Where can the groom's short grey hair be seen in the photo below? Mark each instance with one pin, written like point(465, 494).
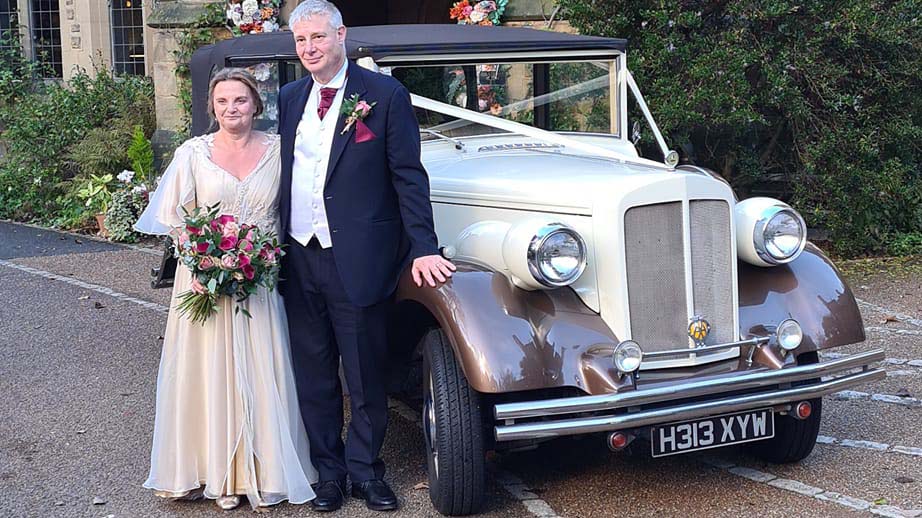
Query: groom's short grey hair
point(309, 8)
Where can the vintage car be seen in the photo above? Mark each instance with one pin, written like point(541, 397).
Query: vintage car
point(597, 291)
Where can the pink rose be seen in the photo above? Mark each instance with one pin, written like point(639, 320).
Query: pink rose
point(467, 11)
point(231, 229)
point(224, 219)
point(228, 243)
point(248, 271)
point(229, 262)
point(268, 254)
point(245, 245)
point(198, 287)
point(206, 263)
point(183, 238)
point(201, 248)
point(193, 230)
point(251, 236)
point(243, 259)
point(363, 107)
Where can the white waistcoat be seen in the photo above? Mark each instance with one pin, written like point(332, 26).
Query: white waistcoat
point(313, 141)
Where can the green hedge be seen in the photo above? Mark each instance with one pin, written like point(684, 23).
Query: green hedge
point(819, 100)
point(56, 134)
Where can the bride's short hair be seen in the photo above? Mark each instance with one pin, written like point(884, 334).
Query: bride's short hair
point(234, 74)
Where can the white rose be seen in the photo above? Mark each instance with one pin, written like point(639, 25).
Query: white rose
point(270, 26)
point(477, 16)
point(250, 7)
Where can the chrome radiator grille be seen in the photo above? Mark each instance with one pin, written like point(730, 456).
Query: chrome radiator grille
point(656, 272)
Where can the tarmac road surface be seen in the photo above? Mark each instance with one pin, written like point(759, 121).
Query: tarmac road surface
point(79, 349)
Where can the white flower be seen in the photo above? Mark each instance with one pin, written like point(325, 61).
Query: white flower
point(125, 176)
point(262, 71)
point(235, 17)
point(139, 189)
point(37, 180)
point(250, 7)
point(477, 16)
point(270, 27)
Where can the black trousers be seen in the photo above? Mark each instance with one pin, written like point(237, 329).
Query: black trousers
point(325, 326)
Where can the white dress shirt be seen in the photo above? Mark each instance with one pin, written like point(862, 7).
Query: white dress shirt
point(313, 141)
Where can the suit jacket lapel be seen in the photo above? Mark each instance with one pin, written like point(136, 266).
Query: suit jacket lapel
point(354, 86)
point(293, 111)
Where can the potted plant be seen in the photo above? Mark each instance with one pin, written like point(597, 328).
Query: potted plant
point(95, 192)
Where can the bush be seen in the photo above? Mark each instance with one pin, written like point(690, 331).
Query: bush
point(819, 102)
point(124, 210)
point(59, 134)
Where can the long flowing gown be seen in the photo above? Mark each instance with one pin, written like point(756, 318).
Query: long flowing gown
point(227, 414)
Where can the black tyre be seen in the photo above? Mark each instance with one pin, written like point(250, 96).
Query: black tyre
point(794, 438)
point(453, 431)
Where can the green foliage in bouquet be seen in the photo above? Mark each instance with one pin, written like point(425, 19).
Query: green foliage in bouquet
point(817, 103)
point(226, 258)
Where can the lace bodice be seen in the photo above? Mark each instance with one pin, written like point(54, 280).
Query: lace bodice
point(194, 180)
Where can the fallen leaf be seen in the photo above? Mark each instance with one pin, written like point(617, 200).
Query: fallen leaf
point(98, 305)
point(905, 480)
point(880, 501)
point(160, 337)
point(81, 431)
point(421, 486)
point(84, 297)
point(97, 500)
point(39, 326)
point(79, 242)
point(903, 392)
point(889, 318)
point(58, 504)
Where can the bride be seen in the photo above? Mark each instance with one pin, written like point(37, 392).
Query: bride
point(227, 421)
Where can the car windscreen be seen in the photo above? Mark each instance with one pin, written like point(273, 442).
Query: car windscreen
point(558, 96)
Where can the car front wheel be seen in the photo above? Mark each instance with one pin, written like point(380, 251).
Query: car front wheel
point(453, 431)
point(794, 438)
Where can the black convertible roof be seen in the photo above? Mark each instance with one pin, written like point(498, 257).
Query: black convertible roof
point(386, 42)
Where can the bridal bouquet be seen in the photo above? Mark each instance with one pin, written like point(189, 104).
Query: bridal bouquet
point(227, 258)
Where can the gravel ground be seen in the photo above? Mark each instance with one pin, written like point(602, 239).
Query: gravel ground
point(78, 368)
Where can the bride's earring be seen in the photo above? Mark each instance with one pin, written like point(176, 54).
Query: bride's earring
point(228, 502)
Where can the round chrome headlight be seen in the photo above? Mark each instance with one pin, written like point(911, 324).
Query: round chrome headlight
point(628, 356)
point(780, 235)
point(556, 255)
point(789, 334)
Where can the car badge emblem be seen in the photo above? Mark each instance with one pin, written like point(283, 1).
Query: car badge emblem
point(698, 330)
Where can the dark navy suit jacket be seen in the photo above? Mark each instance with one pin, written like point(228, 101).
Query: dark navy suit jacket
point(376, 193)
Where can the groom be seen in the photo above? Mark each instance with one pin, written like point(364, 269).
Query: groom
point(354, 207)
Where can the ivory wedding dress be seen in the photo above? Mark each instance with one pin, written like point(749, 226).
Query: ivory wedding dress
point(227, 417)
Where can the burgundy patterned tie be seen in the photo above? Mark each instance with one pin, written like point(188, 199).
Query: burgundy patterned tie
point(326, 100)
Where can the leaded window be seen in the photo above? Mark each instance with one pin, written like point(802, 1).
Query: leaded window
point(46, 37)
point(127, 37)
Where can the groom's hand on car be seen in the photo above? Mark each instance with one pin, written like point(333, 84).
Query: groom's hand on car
point(432, 268)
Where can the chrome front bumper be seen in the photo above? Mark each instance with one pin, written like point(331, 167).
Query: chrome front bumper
point(713, 396)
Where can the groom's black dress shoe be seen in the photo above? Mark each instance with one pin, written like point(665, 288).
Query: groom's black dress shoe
point(330, 495)
point(376, 494)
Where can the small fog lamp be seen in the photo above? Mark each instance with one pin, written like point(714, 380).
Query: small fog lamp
point(628, 356)
point(789, 334)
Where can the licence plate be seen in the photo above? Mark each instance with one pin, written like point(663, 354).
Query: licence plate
point(712, 432)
